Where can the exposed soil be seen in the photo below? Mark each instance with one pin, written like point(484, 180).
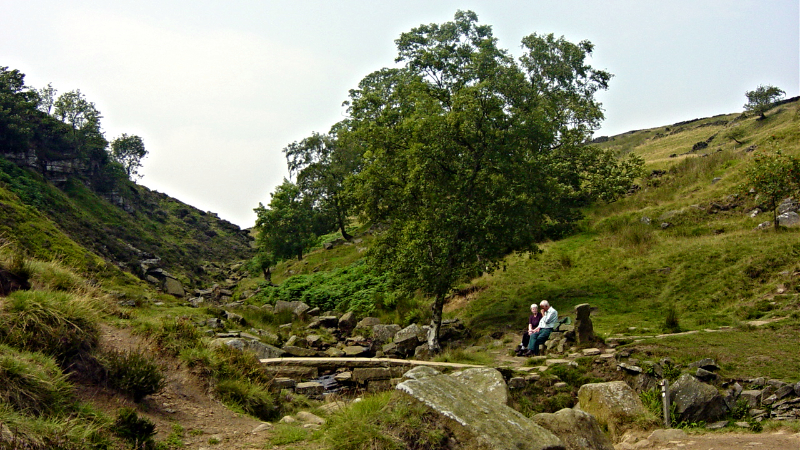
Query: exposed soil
point(185, 401)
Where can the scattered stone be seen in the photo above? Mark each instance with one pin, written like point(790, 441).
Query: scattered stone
point(591, 351)
point(307, 417)
point(584, 330)
point(706, 363)
point(384, 333)
point(355, 351)
point(265, 426)
point(717, 425)
point(705, 375)
point(334, 352)
point(287, 419)
point(347, 323)
point(742, 424)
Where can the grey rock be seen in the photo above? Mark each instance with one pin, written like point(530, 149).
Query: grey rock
point(797, 389)
point(310, 389)
point(488, 383)
point(328, 321)
point(384, 333)
point(422, 352)
point(614, 404)
point(298, 351)
point(752, 397)
point(717, 425)
point(696, 401)
point(355, 351)
point(705, 375)
point(334, 352)
point(284, 383)
point(173, 287)
point(671, 434)
point(576, 429)
point(368, 322)
point(492, 425)
point(407, 339)
point(784, 391)
point(347, 322)
point(363, 374)
point(788, 205)
point(313, 312)
point(635, 370)
point(307, 417)
point(706, 364)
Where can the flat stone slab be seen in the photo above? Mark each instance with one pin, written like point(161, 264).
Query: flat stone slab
point(492, 424)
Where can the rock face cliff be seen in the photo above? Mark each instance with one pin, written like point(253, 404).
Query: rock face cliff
point(111, 216)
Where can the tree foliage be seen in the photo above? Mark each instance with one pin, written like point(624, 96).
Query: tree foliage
point(129, 152)
point(774, 176)
point(286, 227)
point(762, 98)
point(322, 163)
point(470, 155)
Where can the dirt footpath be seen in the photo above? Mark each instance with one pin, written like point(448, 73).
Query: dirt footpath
point(778, 440)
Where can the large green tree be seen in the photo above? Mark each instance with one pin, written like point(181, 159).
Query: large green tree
point(470, 155)
point(129, 152)
point(762, 98)
point(774, 176)
point(285, 228)
point(322, 163)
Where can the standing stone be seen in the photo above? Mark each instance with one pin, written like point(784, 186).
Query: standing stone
point(584, 330)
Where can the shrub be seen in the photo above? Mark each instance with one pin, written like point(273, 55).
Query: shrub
point(52, 323)
point(671, 324)
point(251, 398)
point(138, 431)
point(173, 336)
point(132, 373)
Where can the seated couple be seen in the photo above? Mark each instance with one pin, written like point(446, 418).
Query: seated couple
point(540, 325)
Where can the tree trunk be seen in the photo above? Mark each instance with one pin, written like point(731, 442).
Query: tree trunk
point(346, 236)
point(267, 275)
point(436, 325)
point(775, 218)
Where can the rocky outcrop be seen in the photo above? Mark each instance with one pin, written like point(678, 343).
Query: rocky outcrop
point(584, 330)
point(492, 424)
point(578, 430)
point(614, 404)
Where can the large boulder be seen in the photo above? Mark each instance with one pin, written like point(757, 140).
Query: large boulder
point(347, 322)
point(492, 424)
point(578, 430)
point(614, 404)
point(173, 287)
point(488, 383)
point(407, 339)
point(696, 401)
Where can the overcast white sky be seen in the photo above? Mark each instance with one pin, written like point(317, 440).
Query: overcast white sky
point(217, 89)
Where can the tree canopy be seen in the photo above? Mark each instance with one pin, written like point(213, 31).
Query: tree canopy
point(762, 98)
point(470, 155)
point(129, 151)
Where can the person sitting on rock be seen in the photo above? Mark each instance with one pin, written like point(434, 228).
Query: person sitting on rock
point(541, 333)
point(533, 322)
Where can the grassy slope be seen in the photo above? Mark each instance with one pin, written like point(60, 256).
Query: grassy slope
point(710, 266)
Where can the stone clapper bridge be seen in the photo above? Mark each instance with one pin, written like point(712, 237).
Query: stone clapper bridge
point(375, 374)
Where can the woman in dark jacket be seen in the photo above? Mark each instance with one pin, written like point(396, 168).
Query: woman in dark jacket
point(533, 323)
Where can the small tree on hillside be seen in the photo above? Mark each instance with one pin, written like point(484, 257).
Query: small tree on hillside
point(129, 151)
point(762, 98)
point(774, 176)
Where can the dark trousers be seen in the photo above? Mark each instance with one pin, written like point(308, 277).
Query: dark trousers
point(537, 339)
